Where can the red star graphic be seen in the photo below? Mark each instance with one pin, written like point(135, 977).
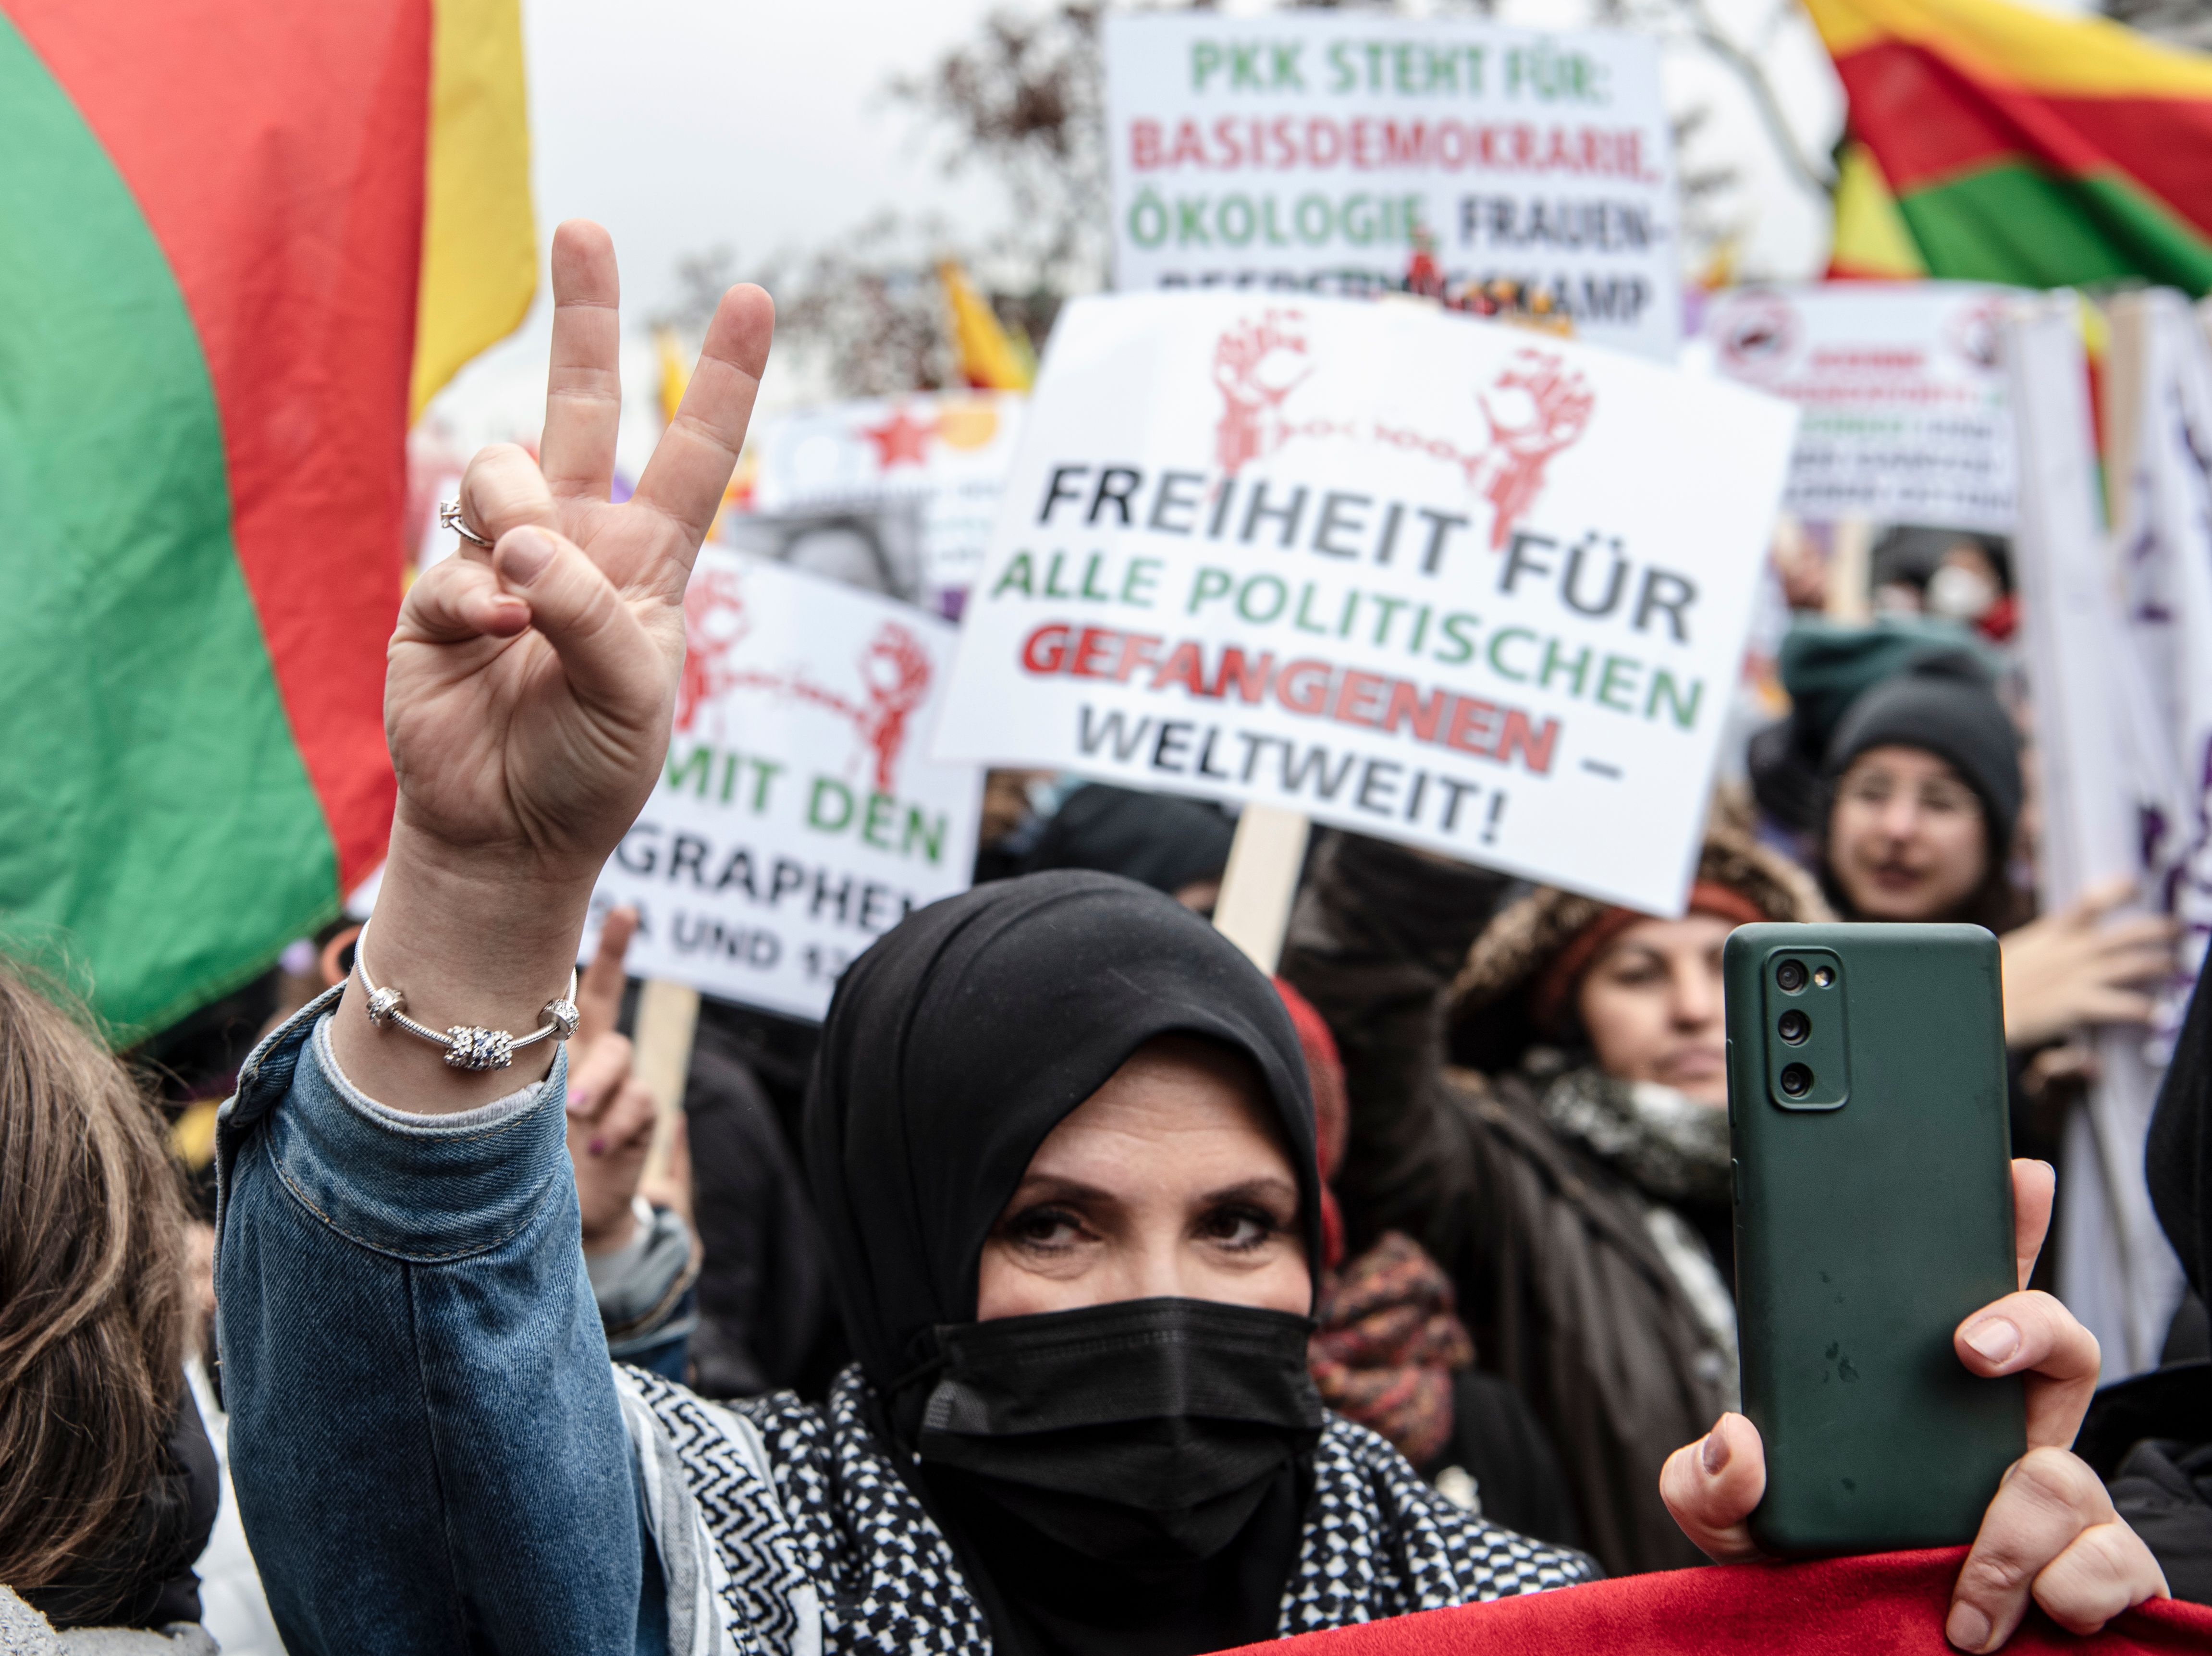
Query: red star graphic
point(899, 439)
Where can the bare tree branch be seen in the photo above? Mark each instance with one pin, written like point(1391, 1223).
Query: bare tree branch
point(1709, 34)
point(1026, 99)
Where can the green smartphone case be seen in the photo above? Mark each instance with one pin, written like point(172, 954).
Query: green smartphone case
point(1873, 1213)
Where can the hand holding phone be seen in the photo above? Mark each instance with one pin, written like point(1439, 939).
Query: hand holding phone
point(2050, 1535)
point(1869, 1126)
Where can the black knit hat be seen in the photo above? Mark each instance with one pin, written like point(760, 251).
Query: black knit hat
point(1167, 843)
point(1944, 703)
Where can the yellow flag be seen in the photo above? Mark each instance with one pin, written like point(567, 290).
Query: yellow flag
point(479, 234)
point(675, 373)
point(989, 359)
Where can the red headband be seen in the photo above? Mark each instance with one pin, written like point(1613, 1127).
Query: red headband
point(1547, 1002)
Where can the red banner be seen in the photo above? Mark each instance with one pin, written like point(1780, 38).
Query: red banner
point(1893, 1602)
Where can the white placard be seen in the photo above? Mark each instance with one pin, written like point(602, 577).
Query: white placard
point(800, 815)
point(1304, 149)
point(1438, 580)
point(2100, 728)
point(947, 450)
point(1908, 419)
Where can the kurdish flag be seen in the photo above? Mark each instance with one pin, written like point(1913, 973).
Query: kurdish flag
point(240, 242)
point(1991, 141)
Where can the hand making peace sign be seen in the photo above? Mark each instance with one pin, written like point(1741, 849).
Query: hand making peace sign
point(529, 690)
point(528, 698)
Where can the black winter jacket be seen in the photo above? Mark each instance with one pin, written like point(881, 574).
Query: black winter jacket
point(1558, 1280)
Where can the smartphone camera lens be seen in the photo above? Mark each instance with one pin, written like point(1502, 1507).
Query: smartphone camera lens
point(1796, 1080)
point(1793, 1026)
point(1791, 974)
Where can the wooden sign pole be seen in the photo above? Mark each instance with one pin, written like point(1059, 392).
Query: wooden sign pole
point(1261, 882)
point(2126, 363)
point(667, 1019)
point(1851, 576)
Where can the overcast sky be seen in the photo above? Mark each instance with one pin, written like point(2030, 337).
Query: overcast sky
point(680, 124)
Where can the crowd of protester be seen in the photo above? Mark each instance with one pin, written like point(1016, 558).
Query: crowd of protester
point(902, 1350)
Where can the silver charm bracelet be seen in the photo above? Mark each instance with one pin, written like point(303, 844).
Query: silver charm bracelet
point(468, 1046)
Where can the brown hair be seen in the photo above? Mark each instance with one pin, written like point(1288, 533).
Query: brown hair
point(93, 1306)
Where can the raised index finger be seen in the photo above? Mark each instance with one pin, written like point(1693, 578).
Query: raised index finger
point(583, 381)
point(599, 996)
point(691, 466)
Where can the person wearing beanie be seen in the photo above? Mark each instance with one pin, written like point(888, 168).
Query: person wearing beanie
point(1926, 783)
point(1539, 1099)
point(1926, 791)
point(1825, 667)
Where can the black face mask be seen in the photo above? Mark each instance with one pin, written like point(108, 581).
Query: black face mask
point(1146, 1430)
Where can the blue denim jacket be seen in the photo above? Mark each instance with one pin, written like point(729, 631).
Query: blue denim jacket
point(425, 1437)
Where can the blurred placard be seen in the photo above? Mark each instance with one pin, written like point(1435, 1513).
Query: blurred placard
point(1907, 417)
point(800, 815)
point(1306, 150)
point(1414, 575)
point(877, 546)
point(947, 453)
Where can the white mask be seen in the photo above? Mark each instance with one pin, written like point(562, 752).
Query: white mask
point(1962, 593)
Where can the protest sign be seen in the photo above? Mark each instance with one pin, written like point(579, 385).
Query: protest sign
point(948, 452)
point(2108, 791)
point(2161, 495)
point(1425, 577)
point(1908, 412)
point(800, 815)
point(1314, 149)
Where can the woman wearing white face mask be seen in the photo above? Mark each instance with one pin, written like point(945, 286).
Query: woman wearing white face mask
point(1962, 577)
point(1972, 584)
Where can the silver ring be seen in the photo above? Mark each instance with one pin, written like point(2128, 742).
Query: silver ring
point(449, 517)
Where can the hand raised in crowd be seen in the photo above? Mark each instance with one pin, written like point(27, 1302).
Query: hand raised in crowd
point(2050, 1533)
point(610, 1110)
point(528, 696)
point(2078, 966)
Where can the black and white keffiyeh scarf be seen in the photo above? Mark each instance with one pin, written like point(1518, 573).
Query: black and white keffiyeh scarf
point(792, 1520)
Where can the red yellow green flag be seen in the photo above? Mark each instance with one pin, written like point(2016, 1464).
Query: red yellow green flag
point(247, 237)
point(1991, 141)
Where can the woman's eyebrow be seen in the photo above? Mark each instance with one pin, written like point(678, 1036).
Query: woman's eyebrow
point(1053, 1187)
point(1266, 1187)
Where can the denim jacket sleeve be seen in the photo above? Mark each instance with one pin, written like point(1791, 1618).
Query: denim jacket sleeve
point(426, 1442)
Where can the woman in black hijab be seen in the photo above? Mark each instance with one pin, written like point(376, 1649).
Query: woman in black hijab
point(1060, 1139)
